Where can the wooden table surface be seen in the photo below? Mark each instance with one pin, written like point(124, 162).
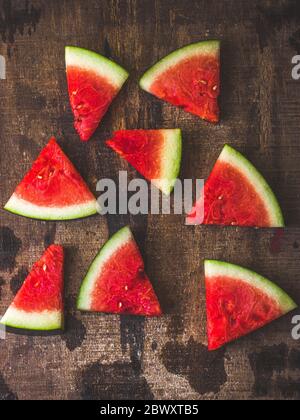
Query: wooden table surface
point(108, 357)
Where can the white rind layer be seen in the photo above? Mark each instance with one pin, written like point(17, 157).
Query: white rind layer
point(89, 60)
point(192, 50)
point(37, 321)
point(24, 208)
point(171, 161)
point(119, 240)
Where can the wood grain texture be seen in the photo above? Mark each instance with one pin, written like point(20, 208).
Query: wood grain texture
point(104, 356)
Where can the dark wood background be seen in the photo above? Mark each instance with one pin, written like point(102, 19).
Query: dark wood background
point(102, 357)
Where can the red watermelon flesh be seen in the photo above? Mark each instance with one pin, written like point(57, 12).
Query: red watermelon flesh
point(39, 302)
point(93, 83)
point(124, 287)
point(141, 148)
point(235, 309)
point(239, 302)
point(90, 97)
point(52, 189)
point(193, 85)
point(42, 290)
point(189, 78)
point(235, 194)
point(230, 200)
point(117, 283)
point(156, 154)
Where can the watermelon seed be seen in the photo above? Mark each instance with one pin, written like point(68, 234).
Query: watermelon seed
point(120, 305)
point(203, 82)
point(45, 267)
point(39, 177)
point(215, 88)
point(221, 197)
point(126, 288)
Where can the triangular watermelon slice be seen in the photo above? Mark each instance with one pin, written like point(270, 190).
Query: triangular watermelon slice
point(236, 194)
point(156, 154)
point(52, 189)
point(39, 303)
point(93, 82)
point(188, 78)
point(117, 283)
point(239, 302)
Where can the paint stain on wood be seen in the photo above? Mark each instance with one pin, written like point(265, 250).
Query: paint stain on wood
point(294, 41)
point(154, 346)
point(50, 234)
point(272, 19)
point(17, 280)
point(274, 369)
point(133, 338)
point(118, 381)
point(15, 21)
point(75, 331)
point(5, 393)
point(176, 327)
point(107, 49)
point(204, 370)
point(9, 248)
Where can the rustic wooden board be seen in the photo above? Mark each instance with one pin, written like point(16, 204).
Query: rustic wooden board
point(105, 356)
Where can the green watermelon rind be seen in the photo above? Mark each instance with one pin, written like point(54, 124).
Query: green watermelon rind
point(204, 48)
point(215, 268)
point(89, 60)
point(117, 241)
point(24, 208)
point(170, 161)
point(262, 188)
point(33, 321)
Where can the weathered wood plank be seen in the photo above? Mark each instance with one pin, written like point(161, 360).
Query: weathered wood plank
point(101, 356)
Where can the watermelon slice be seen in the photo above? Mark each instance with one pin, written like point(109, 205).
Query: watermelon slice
point(236, 194)
point(52, 189)
point(93, 82)
point(156, 154)
point(39, 303)
point(239, 302)
point(188, 78)
point(117, 283)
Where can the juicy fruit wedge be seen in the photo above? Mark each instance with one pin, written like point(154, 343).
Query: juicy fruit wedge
point(39, 303)
point(156, 154)
point(52, 189)
point(188, 78)
point(236, 194)
point(117, 283)
point(93, 82)
point(239, 302)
